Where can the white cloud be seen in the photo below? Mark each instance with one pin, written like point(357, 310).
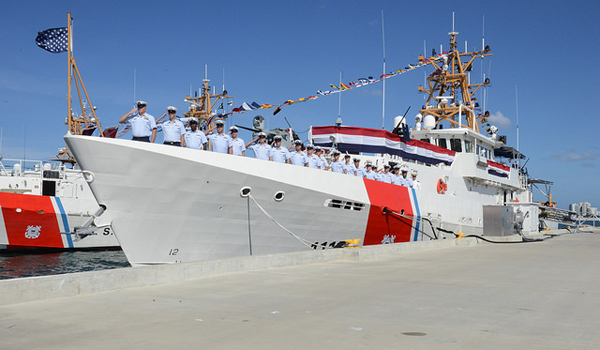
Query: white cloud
point(571, 155)
point(498, 119)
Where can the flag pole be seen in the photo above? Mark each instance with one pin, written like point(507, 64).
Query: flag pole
point(383, 92)
point(70, 77)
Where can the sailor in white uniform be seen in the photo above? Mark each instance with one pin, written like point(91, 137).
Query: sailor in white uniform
point(322, 161)
point(173, 129)
point(376, 174)
point(143, 125)
point(219, 141)
point(195, 138)
point(336, 164)
point(261, 149)
point(236, 145)
point(359, 170)
point(405, 180)
point(347, 166)
point(369, 173)
point(312, 160)
point(297, 157)
point(416, 184)
point(279, 153)
point(385, 175)
point(395, 175)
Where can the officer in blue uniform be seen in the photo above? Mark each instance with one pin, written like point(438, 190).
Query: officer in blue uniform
point(143, 125)
point(219, 141)
point(322, 161)
point(395, 175)
point(347, 166)
point(385, 175)
point(336, 164)
point(195, 138)
point(359, 170)
point(279, 153)
point(173, 129)
point(405, 180)
point(236, 144)
point(312, 160)
point(369, 173)
point(261, 149)
point(297, 157)
point(376, 173)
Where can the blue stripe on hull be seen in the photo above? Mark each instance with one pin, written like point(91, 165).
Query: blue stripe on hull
point(63, 214)
point(418, 214)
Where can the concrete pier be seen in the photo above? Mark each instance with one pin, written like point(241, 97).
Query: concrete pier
point(538, 295)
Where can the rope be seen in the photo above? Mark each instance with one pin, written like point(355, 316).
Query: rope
point(411, 218)
point(306, 242)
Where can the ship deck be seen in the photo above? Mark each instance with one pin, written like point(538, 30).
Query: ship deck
point(542, 295)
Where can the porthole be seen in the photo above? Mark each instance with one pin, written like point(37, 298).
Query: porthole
point(245, 191)
point(279, 196)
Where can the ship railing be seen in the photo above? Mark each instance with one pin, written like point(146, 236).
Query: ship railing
point(30, 168)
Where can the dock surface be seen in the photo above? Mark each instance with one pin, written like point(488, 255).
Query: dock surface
point(538, 295)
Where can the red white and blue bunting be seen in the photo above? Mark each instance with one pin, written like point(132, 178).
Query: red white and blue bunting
point(352, 139)
point(498, 169)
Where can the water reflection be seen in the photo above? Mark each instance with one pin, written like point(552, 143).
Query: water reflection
point(34, 263)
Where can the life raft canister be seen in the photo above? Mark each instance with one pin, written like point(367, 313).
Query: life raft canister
point(441, 186)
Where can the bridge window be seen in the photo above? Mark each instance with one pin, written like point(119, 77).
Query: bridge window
point(455, 145)
point(442, 143)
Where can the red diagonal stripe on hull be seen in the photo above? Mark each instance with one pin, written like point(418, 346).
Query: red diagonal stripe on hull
point(395, 198)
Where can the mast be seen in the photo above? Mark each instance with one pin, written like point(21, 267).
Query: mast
point(201, 106)
point(87, 121)
point(70, 77)
point(383, 73)
point(450, 94)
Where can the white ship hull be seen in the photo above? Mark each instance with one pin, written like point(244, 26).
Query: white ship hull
point(42, 208)
point(171, 204)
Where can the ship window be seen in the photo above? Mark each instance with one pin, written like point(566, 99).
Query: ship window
point(468, 146)
point(340, 204)
point(455, 145)
point(425, 140)
point(48, 188)
point(442, 143)
point(483, 152)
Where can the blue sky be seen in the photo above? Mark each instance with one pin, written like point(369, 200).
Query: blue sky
point(272, 51)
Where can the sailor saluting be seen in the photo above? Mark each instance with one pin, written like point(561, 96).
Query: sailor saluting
point(219, 141)
point(173, 129)
point(143, 125)
point(261, 149)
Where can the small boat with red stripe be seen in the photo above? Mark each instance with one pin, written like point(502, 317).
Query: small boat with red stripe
point(42, 206)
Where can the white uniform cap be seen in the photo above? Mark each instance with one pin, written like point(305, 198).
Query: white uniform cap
point(171, 108)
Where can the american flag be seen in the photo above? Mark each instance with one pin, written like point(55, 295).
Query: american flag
point(54, 40)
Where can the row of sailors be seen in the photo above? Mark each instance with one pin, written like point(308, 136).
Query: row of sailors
point(143, 128)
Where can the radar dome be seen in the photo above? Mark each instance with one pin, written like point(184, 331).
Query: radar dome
point(429, 122)
point(398, 121)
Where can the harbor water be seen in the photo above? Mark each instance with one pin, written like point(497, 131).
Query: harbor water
point(43, 263)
